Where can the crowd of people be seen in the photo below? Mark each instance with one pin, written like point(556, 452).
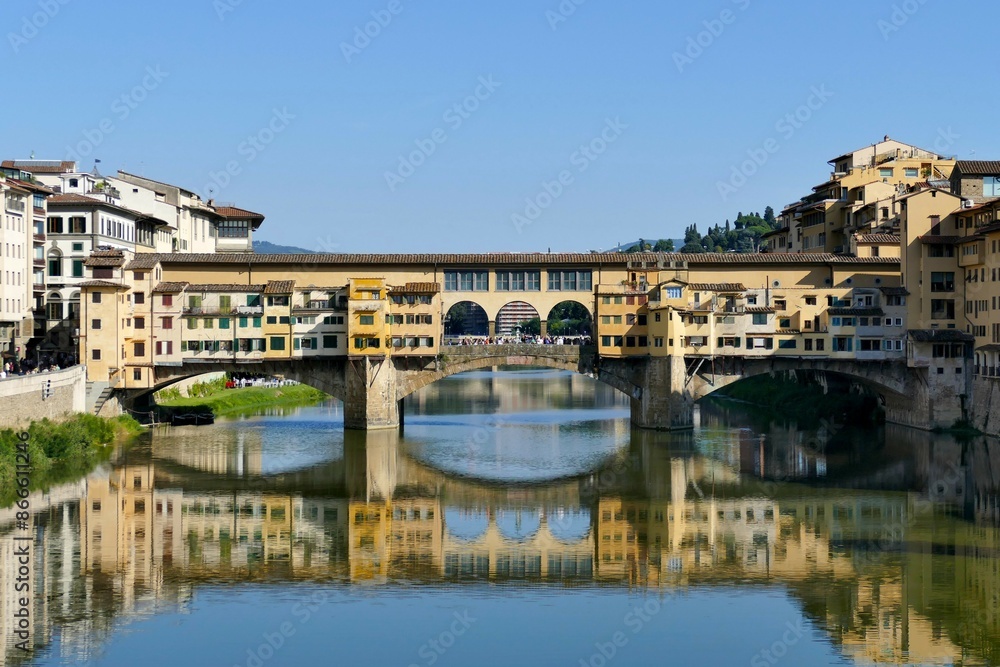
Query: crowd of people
point(243, 380)
point(43, 363)
point(518, 339)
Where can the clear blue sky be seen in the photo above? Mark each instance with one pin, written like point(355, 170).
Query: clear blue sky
point(225, 67)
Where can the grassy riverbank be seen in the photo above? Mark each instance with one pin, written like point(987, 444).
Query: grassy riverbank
point(215, 397)
point(60, 452)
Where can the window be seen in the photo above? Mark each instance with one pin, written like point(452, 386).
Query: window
point(367, 319)
point(658, 342)
point(140, 298)
point(942, 309)
point(329, 341)
point(569, 281)
point(94, 324)
point(518, 281)
point(78, 268)
point(168, 300)
point(991, 186)
point(140, 323)
point(759, 319)
point(942, 281)
point(789, 344)
point(674, 292)
point(780, 304)
point(272, 319)
point(139, 349)
point(808, 344)
point(277, 301)
point(256, 323)
point(885, 173)
point(95, 355)
point(209, 323)
point(785, 323)
point(55, 267)
point(277, 343)
point(55, 226)
point(95, 297)
point(911, 172)
point(605, 341)
point(192, 323)
point(223, 322)
point(466, 281)
point(810, 301)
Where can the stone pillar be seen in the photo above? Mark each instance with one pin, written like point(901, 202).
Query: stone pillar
point(665, 403)
point(545, 327)
point(370, 401)
point(492, 328)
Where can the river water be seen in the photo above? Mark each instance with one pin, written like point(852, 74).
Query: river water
point(518, 520)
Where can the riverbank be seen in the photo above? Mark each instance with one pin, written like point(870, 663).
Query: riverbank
point(214, 397)
point(60, 452)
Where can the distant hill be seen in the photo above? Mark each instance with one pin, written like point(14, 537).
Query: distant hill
point(628, 246)
point(268, 248)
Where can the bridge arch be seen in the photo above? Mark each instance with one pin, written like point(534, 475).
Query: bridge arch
point(466, 318)
point(517, 316)
point(888, 380)
point(462, 358)
point(570, 318)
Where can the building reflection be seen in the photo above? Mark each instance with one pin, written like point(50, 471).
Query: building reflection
point(890, 579)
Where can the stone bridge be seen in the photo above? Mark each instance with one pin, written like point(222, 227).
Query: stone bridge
point(662, 390)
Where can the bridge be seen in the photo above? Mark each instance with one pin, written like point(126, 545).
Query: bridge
point(662, 391)
point(664, 329)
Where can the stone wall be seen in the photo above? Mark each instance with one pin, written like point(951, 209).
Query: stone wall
point(23, 402)
point(186, 384)
point(986, 404)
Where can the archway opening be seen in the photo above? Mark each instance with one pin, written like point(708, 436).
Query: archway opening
point(466, 319)
point(518, 317)
point(570, 318)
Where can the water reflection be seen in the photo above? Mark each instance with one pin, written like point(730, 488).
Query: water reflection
point(859, 528)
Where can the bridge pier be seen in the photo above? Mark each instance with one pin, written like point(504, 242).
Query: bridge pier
point(665, 403)
point(371, 397)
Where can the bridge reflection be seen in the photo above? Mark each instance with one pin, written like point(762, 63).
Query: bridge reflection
point(867, 566)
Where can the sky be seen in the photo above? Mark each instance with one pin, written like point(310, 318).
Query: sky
point(520, 126)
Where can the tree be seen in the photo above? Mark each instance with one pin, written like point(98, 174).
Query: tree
point(769, 217)
point(664, 245)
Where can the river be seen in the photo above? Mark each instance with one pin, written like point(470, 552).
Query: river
point(517, 519)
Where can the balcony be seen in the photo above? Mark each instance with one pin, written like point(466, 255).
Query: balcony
point(247, 310)
point(366, 306)
point(210, 310)
point(324, 304)
point(38, 237)
point(38, 287)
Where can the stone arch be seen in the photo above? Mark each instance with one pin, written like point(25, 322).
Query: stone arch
point(558, 357)
point(887, 379)
point(580, 322)
point(514, 315)
point(466, 318)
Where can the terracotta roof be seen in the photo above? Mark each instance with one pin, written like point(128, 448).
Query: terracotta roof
point(280, 287)
point(856, 312)
point(940, 336)
point(170, 288)
point(41, 166)
point(789, 331)
point(718, 287)
point(417, 288)
point(879, 238)
point(233, 213)
point(927, 239)
point(989, 229)
point(114, 262)
point(148, 260)
point(894, 291)
point(222, 287)
point(36, 187)
point(102, 283)
point(978, 167)
point(760, 309)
